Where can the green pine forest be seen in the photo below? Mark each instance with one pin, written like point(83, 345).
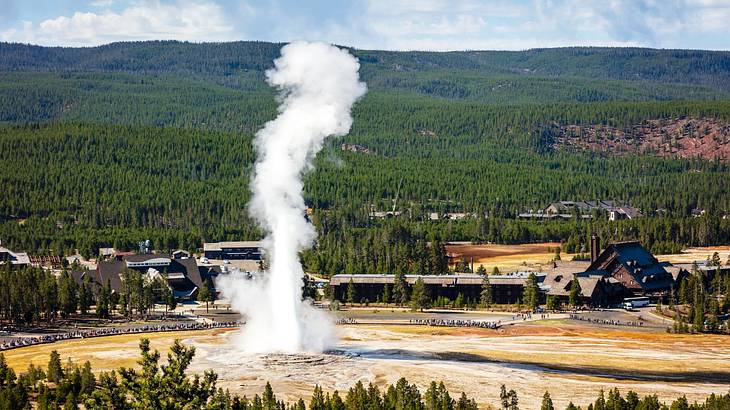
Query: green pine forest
point(106, 146)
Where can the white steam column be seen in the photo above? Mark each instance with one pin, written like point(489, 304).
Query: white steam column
point(318, 85)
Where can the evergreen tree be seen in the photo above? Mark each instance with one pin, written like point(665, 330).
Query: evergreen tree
point(85, 295)
point(55, 370)
point(351, 292)
point(205, 294)
point(103, 301)
point(87, 380)
point(438, 260)
point(575, 292)
point(419, 296)
point(400, 289)
point(327, 292)
point(547, 402)
point(317, 401)
point(386, 297)
point(67, 293)
point(485, 297)
point(531, 296)
point(170, 300)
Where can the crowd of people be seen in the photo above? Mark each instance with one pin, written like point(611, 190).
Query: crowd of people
point(16, 342)
point(457, 323)
point(522, 316)
point(612, 322)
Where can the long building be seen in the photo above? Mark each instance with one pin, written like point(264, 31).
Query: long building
point(246, 250)
point(506, 289)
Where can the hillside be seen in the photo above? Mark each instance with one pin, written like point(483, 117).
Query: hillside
point(705, 138)
point(695, 67)
point(108, 144)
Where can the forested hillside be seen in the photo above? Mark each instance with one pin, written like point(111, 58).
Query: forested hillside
point(113, 144)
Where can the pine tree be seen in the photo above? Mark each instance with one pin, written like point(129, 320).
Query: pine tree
point(88, 381)
point(575, 292)
point(351, 292)
point(400, 289)
point(205, 294)
point(85, 295)
point(67, 294)
point(55, 370)
point(170, 300)
point(317, 401)
point(547, 402)
point(386, 294)
point(532, 292)
point(419, 296)
point(485, 296)
point(104, 300)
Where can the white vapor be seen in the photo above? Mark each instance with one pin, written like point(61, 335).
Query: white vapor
point(318, 85)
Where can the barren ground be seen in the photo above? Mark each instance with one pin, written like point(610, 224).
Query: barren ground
point(707, 138)
point(570, 359)
point(507, 258)
point(537, 256)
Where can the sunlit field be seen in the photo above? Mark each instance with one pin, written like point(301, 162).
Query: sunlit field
point(531, 358)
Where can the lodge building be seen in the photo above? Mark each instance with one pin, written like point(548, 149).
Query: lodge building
point(183, 275)
point(623, 269)
point(241, 250)
point(506, 289)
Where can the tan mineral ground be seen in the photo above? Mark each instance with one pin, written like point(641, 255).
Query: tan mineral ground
point(529, 358)
point(571, 360)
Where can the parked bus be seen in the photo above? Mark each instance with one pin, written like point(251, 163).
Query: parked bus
point(633, 303)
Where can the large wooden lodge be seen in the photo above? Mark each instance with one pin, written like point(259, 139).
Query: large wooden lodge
point(622, 269)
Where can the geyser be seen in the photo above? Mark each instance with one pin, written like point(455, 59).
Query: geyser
point(318, 85)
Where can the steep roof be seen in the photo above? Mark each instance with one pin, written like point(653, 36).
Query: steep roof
point(110, 270)
point(79, 276)
point(559, 283)
point(647, 271)
point(183, 273)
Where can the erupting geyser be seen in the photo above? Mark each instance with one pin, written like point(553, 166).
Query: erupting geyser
point(318, 85)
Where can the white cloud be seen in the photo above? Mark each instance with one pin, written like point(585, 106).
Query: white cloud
point(101, 3)
point(482, 24)
point(394, 24)
point(183, 20)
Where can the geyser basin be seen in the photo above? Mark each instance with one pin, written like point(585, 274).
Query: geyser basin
point(477, 362)
point(318, 85)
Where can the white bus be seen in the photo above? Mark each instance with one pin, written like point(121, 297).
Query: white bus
point(632, 303)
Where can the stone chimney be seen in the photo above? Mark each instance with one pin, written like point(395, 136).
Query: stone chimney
point(595, 247)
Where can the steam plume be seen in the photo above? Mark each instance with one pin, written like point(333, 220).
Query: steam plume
point(318, 85)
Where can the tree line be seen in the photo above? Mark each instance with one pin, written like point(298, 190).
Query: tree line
point(701, 299)
point(33, 296)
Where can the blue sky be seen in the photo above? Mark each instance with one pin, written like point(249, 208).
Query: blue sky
point(376, 24)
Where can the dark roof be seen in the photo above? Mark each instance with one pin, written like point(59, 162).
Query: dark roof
point(559, 283)
point(190, 268)
point(110, 270)
point(209, 272)
point(184, 273)
point(648, 272)
point(633, 252)
point(79, 275)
